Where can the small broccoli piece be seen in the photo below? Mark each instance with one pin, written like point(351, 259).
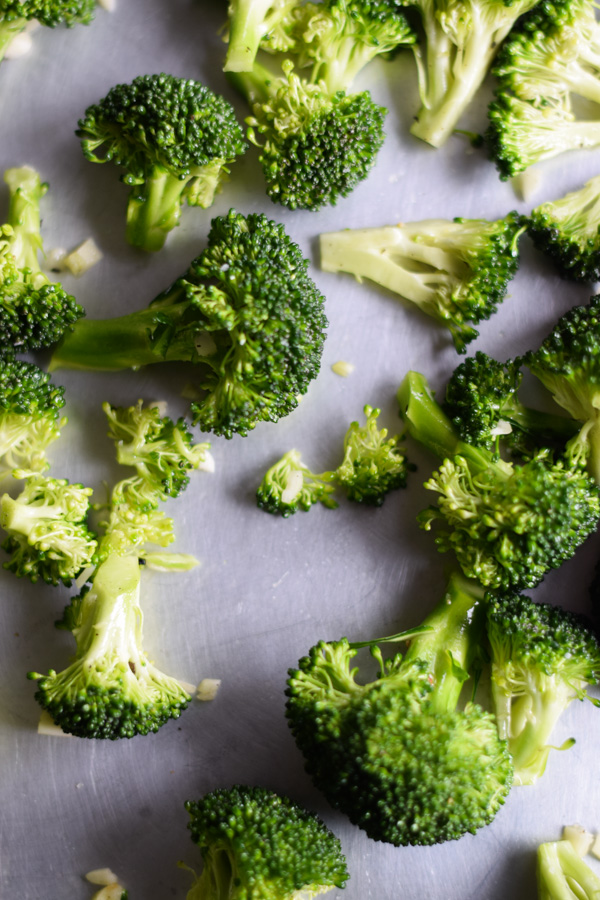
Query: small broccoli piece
point(15, 14)
point(48, 537)
point(563, 875)
point(457, 271)
point(507, 524)
point(268, 24)
point(289, 485)
point(258, 845)
point(396, 755)
point(246, 313)
point(315, 147)
point(568, 232)
point(34, 312)
point(29, 416)
point(543, 657)
point(483, 405)
point(173, 137)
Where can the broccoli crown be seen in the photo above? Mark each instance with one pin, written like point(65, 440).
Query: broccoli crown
point(49, 12)
point(26, 390)
point(258, 845)
point(561, 872)
point(48, 537)
point(456, 272)
point(250, 293)
point(289, 485)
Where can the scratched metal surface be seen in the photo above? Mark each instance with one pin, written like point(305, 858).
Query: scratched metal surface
point(267, 588)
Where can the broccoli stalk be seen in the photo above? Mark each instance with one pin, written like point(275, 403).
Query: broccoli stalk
point(15, 15)
point(251, 24)
point(457, 271)
point(563, 875)
point(395, 754)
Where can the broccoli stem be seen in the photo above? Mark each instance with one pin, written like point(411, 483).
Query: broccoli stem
point(563, 875)
point(154, 209)
point(8, 32)
point(246, 32)
point(586, 445)
point(26, 191)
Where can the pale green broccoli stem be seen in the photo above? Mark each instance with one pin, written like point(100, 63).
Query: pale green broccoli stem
point(154, 209)
point(563, 875)
point(8, 32)
point(247, 30)
point(26, 191)
point(217, 877)
point(587, 445)
point(23, 442)
point(201, 190)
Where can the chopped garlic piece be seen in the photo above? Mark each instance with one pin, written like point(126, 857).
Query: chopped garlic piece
point(101, 876)
point(161, 405)
point(207, 689)
point(108, 5)
point(47, 726)
point(110, 892)
point(595, 848)
point(83, 257)
point(54, 260)
point(293, 487)
point(20, 45)
point(502, 427)
point(581, 839)
point(205, 345)
point(208, 463)
point(188, 688)
point(342, 368)
point(526, 183)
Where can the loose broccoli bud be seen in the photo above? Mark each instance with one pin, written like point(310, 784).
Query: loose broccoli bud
point(563, 875)
point(395, 754)
point(29, 416)
point(315, 146)
point(15, 14)
point(456, 272)
point(542, 658)
point(567, 231)
point(507, 525)
point(48, 537)
point(173, 137)
point(249, 292)
point(256, 845)
point(254, 23)
point(289, 485)
point(34, 312)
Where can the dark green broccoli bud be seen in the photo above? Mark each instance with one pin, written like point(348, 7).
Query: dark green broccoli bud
point(568, 232)
point(268, 24)
point(258, 845)
point(34, 312)
point(15, 14)
point(173, 137)
point(29, 416)
point(396, 754)
point(246, 313)
point(483, 405)
point(48, 537)
point(563, 875)
point(457, 271)
point(289, 485)
point(507, 524)
point(543, 657)
point(314, 147)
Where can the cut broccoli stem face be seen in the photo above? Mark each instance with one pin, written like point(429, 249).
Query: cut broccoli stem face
point(563, 875)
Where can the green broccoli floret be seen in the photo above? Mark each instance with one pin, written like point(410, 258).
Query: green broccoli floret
point(268, 24)
point(543, 657)
point(173, 137)
point(258, 845)
point(507, 525)
point(34, 311)
point(289, 485)
point(457, 271)
point(563, 875)
point(30, 418)
point(551, 58)
point(246, 313)
point(48, 537)
point(396, 754)
point(483, 404)
point(15, 14)
point(315, 147)
point(568, 232)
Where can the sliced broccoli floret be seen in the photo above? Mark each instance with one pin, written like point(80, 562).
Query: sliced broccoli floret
point(258, 23)
point(289, 485)
point(543, 657)
point(174, 139)
point(48, 537)
point(258, 845)
point(15, 14)
point(396, 754)
point(315, 147)
point(457, 271)
point(246, 313)
point(563, 875)
point(507, 524)
point(34, 311)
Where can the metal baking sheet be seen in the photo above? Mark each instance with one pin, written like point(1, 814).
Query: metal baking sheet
point(267, 588)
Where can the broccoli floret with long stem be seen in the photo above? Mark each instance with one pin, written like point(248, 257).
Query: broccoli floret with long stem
point(259, 845)
point(315, 147)
point(543, 657)
point(396, 754)
point(507, 524)
point(34, 311)
point(48, 537)
point(246, 314)
point(258, 23)
point(15, 14)
point(563, 875)
point(457, 271)
point(174, 139)
point(567, 230)
point(289, 485)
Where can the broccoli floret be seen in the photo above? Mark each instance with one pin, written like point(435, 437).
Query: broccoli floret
point(258, 845)
point(563, 875)
point(543, 657)
point(396, 755)
point(173, 137)
point(551, 58)
point(457, 271)
point(30, 418)
point(568, 232)
point(246, 313)
point(48, 537)
point(34, 311)
point(15, 14)
point(258, 23)
point(289, 485)
point(315, 147)
point(507, 524)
